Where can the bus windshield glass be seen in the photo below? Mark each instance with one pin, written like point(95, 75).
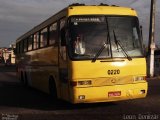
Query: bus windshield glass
point(89, 34)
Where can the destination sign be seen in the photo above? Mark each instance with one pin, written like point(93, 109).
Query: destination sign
point(87, 19)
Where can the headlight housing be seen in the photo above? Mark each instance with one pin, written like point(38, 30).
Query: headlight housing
point(81, 83)
point(85, 82)
point(139, 78)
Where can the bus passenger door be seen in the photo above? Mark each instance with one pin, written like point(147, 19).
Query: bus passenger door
point(63, 69)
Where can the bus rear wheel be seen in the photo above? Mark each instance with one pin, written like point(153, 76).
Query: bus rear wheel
point(52, 89)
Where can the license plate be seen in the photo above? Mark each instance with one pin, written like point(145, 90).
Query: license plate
point(114, 94)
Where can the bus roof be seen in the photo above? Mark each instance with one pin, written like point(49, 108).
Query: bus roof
point(101, 10)
point(80, 9)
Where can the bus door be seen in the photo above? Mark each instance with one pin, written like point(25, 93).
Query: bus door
point(63, 68)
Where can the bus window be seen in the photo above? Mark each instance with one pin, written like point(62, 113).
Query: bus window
point(62, 32)
point(25, 45)
point(44, 37)
point(52, 34)
point(36, 40)
point(62, 23)
point(21, 47)
point(62, 37)
point(30, 41)
point(79, 45)
point(85, 40)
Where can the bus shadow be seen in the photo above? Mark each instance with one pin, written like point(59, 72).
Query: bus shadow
point(13, 94)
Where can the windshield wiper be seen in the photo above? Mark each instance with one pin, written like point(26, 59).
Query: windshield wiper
point(105, 45)
point(100, 51)
point(117, 42)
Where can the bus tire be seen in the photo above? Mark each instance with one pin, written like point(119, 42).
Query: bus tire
point(52, 89)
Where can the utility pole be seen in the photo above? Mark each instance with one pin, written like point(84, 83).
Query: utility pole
point(151, 44)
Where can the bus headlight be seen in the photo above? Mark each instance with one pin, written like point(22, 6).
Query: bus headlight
point(139, 78)
point(81, 97)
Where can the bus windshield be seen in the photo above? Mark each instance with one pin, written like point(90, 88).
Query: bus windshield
point(88, 34)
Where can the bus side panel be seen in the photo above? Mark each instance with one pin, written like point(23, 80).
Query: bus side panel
point(43, 64)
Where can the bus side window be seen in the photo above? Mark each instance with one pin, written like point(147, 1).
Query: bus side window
point(25, 45)
point(30, 42)
point(21, 47)
point(53, 34)
point(62, 39)
point(36, 40)
point(62, 31)
point(44, 37)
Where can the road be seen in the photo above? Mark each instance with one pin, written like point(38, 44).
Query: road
point(21, 103)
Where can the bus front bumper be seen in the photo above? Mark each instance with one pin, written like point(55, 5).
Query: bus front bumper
point(108, 93)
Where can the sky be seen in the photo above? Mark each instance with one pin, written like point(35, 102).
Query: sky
point(19, 16)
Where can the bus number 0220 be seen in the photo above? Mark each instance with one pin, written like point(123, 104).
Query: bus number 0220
point(113, 72)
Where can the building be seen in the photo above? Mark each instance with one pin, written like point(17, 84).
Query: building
point(7, 56)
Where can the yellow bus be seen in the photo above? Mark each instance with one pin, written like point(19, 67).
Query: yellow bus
point(85, 54)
